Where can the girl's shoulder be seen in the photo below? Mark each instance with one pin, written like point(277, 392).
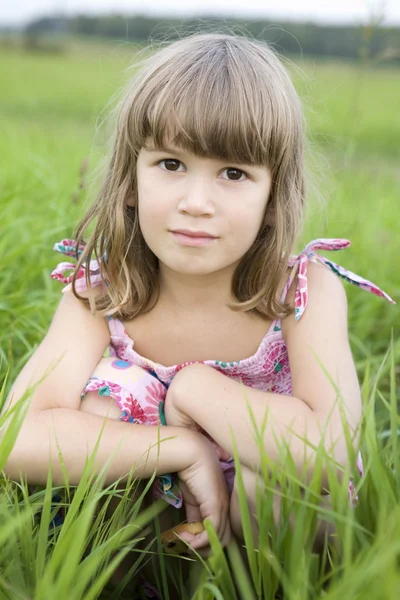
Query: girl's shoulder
point(317, 352)
point(297, 285)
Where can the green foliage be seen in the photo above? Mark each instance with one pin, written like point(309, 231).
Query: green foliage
point(47, 117)
point(42, 559)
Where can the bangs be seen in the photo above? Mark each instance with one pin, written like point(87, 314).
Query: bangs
point(212, 105)
point(208, 123)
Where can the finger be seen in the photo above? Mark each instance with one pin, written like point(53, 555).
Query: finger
point(193, 513)
point(220, 521)
point(200, 540)
point(222, 527)
point(222, 454)
point(187, 537)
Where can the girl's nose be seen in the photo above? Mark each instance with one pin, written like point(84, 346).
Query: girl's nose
point(197, 198)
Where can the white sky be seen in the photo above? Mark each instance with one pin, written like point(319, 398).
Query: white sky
point(18, 12)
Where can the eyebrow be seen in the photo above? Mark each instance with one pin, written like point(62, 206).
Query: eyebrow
point(163, 148)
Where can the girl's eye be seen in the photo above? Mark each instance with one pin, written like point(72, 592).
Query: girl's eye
point(170, 164)
point(235, 174)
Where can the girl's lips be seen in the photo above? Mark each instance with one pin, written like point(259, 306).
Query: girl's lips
point(189, 240)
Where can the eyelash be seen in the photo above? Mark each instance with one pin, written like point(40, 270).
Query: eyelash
point(226, 169)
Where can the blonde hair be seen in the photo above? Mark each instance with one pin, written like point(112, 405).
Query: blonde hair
point(217, 95)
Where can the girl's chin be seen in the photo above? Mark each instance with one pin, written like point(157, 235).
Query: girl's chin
point(193, 268)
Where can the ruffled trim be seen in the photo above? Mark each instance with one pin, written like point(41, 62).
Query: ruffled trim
point(64, 271)
point(299, 269)
point(246, 368)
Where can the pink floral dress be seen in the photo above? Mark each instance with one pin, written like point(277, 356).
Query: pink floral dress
point(139, 386)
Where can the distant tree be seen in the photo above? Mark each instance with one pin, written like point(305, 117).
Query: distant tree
point(287, 37)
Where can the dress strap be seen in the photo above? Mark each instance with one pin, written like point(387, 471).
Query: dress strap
point(64, 271)
point(309, 254)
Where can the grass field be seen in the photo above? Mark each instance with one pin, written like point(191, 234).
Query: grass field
point(49, 112)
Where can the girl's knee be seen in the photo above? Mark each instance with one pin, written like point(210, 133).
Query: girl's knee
point(119, 389)
point(103, 406)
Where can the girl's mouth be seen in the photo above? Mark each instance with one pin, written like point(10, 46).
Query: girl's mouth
point(192, 240)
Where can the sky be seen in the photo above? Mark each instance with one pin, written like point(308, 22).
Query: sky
point(19, 12)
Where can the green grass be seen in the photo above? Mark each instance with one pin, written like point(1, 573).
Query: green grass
point(49, 108)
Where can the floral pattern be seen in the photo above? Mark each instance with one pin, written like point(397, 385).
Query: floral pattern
point(156, 393)
point(141, 397)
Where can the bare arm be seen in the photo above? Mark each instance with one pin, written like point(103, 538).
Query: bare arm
point(72, 347)
point(218, 404)
point(76, 434)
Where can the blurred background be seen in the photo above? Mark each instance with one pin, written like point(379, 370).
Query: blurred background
point(347, 29)
point(62, 64)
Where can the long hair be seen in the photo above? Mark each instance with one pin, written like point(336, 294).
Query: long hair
point(221, 96)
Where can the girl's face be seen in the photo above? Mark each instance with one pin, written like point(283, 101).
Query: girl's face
point(179, 191)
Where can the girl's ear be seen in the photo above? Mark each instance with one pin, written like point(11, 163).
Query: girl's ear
point(131, 200)
point(269, 219)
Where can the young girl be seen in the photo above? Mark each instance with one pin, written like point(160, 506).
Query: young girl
point(188, 279)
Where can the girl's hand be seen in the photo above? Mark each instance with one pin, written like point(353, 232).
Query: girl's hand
point(206, 496)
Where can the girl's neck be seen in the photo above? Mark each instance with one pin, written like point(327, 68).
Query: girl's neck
point(189, 293)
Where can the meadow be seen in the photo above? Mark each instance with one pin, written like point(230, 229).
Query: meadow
point(52, 107)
